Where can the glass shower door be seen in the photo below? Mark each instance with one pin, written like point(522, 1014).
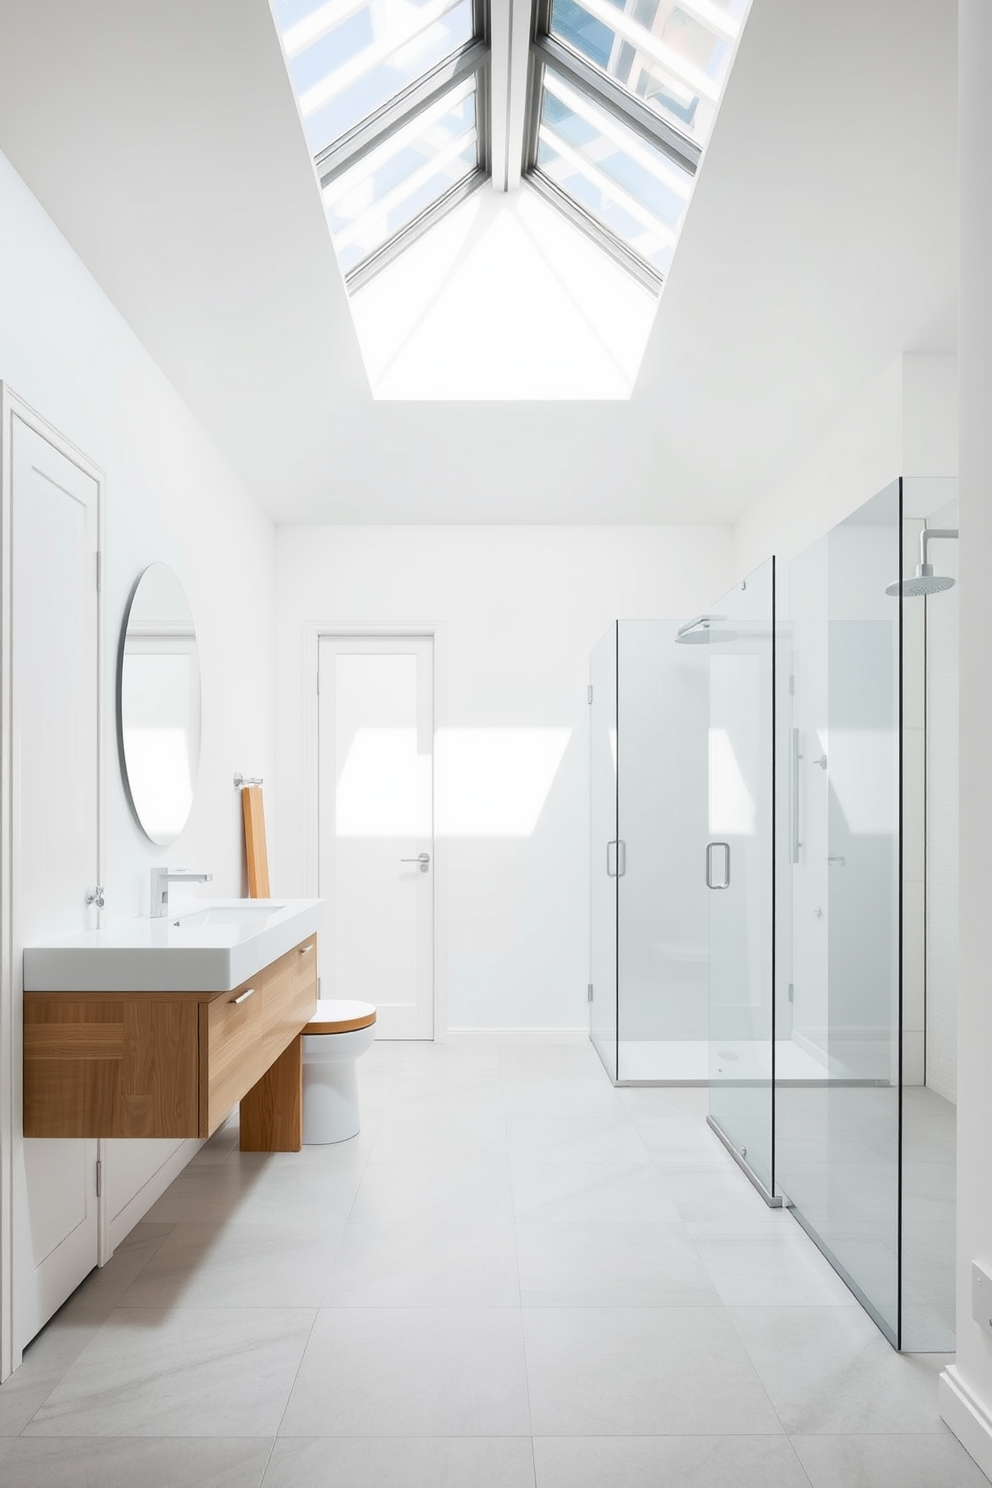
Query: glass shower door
point(739, 870)
point(605, 852)
point(838, 1074)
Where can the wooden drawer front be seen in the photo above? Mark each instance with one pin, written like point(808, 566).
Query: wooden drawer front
point(239, 1041)
point(110, 1069)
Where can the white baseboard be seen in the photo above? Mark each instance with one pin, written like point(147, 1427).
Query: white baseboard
point(522, 1036)
point(139, 1204)
point(967, 1417)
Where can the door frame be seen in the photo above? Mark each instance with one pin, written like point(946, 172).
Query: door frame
point(11, 1029)
point(313, 634)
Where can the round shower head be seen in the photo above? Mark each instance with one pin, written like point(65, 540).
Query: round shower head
point(698, 632)
point(925, 582)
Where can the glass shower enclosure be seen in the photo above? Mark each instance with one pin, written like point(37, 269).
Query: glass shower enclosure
point(649, 950)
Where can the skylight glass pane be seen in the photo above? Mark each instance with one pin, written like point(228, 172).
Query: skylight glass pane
point(630, 186)
point(387, 188)
point(347, 58)
point(673, 55)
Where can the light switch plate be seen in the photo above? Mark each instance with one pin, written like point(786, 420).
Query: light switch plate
point(981, 1295)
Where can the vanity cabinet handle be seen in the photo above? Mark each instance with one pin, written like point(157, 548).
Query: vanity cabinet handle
point(305, 950)
point(248, 992)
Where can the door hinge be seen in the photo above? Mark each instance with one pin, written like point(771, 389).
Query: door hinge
point(589, 693)
point(792, 686)
point(99, 570)
point(99, 1179)
point(318, 681)
point(588, 991)
point(792, 991)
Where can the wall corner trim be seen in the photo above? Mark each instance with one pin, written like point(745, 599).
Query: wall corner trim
point(966, 1416)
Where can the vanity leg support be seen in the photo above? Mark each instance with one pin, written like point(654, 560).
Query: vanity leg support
point(272, 1111)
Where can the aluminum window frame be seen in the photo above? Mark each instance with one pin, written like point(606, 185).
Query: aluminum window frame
point(368, 134)
point(547, 51)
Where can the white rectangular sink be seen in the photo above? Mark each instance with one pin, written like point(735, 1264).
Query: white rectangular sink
point(210, 947)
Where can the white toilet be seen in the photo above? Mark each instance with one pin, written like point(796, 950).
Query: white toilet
point(336, 1035)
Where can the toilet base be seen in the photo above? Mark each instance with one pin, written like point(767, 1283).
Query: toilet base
point(330, 1102)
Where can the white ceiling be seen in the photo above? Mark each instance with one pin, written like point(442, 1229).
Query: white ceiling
point(163, 140)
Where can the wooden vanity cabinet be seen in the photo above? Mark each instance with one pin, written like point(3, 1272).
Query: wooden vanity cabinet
point(172, 1064)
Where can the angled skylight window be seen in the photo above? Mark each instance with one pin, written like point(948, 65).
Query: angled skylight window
point(624, 95)
point(390, 93)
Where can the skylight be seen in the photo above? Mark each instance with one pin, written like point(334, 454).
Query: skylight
point(623, 99)
point(603, 107)
point(391, 95)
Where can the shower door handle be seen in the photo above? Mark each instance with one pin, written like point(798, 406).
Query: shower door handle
point(710, 846)
point(794, 757)
point(616, 858)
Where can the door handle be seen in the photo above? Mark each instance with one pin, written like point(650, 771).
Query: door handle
point(709, 865)
point(424, 859)
point(616, 858)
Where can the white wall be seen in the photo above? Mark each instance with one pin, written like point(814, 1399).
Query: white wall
point(521, 608)
point(169, 495)
point(966, 1393)
point(903, 423)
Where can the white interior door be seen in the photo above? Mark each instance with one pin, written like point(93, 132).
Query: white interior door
point(376, 833)
point(55, 827)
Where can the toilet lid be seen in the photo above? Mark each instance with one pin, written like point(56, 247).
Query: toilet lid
point(340, 1015)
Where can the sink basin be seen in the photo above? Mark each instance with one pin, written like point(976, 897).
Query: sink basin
point(210, 948)
point(244, 916)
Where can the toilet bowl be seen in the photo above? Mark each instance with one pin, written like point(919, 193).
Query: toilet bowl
point(336, 1035)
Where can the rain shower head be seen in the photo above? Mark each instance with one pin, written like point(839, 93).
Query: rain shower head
point(925, 580)
point(698, 632)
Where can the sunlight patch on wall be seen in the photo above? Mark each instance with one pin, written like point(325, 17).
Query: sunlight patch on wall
point(503, 299)
point(490, 782)
point(731, 805)
point(863, 770)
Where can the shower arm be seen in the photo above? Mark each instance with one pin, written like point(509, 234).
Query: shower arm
point(925, 537)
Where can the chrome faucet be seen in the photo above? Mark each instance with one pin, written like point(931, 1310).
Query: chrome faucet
point(161, 879)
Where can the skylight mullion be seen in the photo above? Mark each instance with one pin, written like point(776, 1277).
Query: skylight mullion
point(608, 186)
point(364, 62)
point(642, 40)
point(618, 100)
point(651, 160)
point(409, 187)
point(375, 130)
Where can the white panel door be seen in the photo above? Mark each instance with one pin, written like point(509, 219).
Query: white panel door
point(376, 842)
point(55, 825)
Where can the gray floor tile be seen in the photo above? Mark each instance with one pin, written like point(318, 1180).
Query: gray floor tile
point(776, 1270)
point(237, 1265)
point(411, 1372)
point(828, 1369)
point(224, 1372)
point(666, 1371)
point(558, 1192)
point(425, 1265)
point(610, 1265)
point(401, 1462)
point(476, 1192)
point(85, 1462)
point(681, 1461)
point(888, 1462)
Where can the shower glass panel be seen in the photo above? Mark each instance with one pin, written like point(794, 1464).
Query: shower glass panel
point(737, 866)
point(930, 911)
point(662, 910)
point(838, 1093)
point(603, 849)
point(649, 717)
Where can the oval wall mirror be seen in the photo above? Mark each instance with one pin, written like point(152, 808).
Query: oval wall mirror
point(158, 704)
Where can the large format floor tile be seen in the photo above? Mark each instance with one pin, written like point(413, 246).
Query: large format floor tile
point(241, 1264)
point(126, 1462)
point(411, 1372)
point(888, 1462)
point(610, 1265)
point(624, 1372)
point(222, 1372)
point(828, 1369)
point(425, 1265)
point(401, 1462)
point(652, 1461)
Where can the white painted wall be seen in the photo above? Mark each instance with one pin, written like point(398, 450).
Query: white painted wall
point(521, 609)
point(966, 1388)
point(170, 496)
point(903, 423)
